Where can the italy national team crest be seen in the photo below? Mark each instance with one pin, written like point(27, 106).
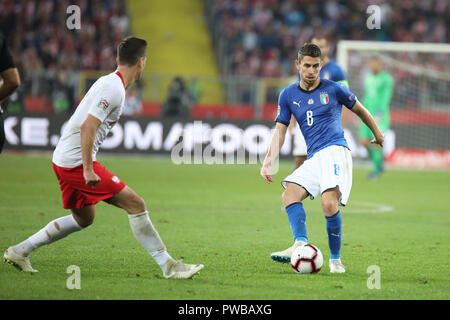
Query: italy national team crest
point(324, 97)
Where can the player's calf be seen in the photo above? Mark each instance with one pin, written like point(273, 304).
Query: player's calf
point(330, 206)
point(148, 237)
point(55, 230)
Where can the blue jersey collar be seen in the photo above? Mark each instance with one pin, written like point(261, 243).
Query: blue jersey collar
point(311, 91)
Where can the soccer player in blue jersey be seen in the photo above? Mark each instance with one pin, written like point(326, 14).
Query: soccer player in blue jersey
point(331, 71)
point(316, 105)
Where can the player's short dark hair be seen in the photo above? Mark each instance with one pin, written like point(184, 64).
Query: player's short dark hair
point(309, 50)
point(130, 50)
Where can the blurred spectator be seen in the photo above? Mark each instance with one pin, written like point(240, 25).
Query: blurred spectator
point(262, 36)
point(46, 51)
point(133, 102)
point(179, 100)
point(62, 93)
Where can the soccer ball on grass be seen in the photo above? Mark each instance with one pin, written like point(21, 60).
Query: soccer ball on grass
point(306, 259)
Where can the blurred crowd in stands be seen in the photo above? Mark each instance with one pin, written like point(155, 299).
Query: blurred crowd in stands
point(263, 36)
point(46, 52)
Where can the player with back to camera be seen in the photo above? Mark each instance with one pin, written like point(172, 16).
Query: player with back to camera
point(85, 182)
point(317, 105)
point(331, 71)
point(9, 81)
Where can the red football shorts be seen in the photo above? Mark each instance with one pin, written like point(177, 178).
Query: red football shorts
point(75, 192)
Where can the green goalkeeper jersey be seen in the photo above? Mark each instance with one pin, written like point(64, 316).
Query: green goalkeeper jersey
point(378, 92)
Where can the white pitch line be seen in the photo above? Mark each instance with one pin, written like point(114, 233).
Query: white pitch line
point(368, 207)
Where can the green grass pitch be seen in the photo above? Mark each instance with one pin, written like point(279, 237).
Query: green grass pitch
point(229, 219)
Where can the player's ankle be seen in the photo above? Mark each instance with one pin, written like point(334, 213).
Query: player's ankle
point(300, 242)
point(24, 248)
point(162, 258)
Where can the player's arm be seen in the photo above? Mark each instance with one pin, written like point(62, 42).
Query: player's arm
point(97, 114)
point(9, 82)
point(340, 78)
point(291, 126)
point(274, 150)
point(9, 75)
point(283, 120)
point(87, 132)
point(369, 121)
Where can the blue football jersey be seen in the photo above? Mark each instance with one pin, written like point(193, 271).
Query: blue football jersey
point(318, 112)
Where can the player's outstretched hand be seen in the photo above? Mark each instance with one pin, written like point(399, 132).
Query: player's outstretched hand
point(378, 140)
point(265, 174)
point(91, 178)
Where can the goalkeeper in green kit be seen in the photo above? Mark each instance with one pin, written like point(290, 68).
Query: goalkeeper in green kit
point(378, 87)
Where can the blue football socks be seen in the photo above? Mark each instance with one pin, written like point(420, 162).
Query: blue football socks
point(297, 220)
point(334, 229)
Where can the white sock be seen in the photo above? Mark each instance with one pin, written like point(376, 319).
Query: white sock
point(53, 231)
point(300, 243)
point(161, 258)
point(24, 248)
point(148, 237)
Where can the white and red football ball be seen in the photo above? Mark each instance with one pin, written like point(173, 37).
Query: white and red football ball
point(306, 259)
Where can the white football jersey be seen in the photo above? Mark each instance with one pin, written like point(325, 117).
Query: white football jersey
point(104, 101)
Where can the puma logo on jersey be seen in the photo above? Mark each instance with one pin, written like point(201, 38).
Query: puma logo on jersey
point(297, 103)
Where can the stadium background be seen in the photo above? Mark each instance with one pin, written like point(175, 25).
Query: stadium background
point(218, 61)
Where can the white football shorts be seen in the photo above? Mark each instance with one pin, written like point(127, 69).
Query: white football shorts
point(299, 142)
point(327, 169)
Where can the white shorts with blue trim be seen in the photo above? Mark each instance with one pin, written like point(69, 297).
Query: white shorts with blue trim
point(328, 168)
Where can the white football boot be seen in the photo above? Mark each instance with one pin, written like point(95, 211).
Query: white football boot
point(285, 256)
point(179, 270)
point(20, 262)
point(336, 266)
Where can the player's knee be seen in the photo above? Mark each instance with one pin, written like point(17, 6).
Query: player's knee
point(84, 221)
point(136, 205)
point(330, 207)
point(87, 222)
point(140, 204)
point(288, 197)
